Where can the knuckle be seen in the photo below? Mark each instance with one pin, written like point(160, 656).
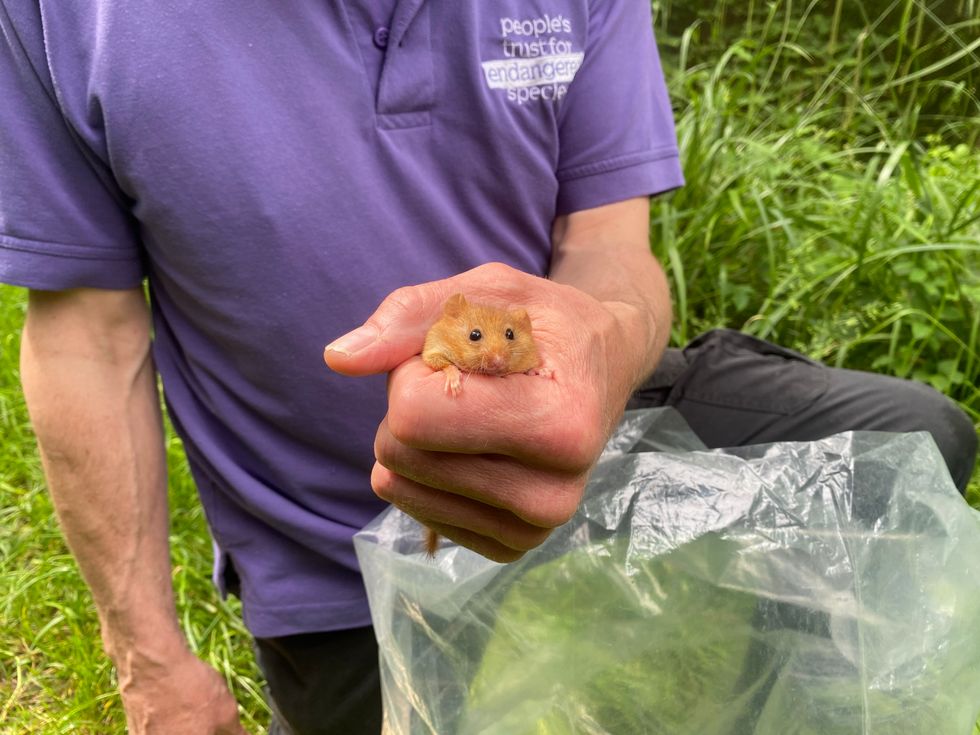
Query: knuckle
point(381, 444)
point(383, 482)
point(505, 556)
point(575, 444)
point(407, 304)
point(407, 409)
point(531, 539)
point(405, 300)
point(495, 271)
point(402, 422)
point(555, 506)
point(564, 508)
point(389, 451)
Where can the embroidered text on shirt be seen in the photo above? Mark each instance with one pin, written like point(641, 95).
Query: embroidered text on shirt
point(539, 60)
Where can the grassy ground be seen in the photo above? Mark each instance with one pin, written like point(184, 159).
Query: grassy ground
point(833, 177)
point(53, 675)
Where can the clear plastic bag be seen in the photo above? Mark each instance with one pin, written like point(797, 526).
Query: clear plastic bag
point(820, 588)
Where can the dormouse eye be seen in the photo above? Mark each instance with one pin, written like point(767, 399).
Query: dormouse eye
point(509, 334)
point(475, 335)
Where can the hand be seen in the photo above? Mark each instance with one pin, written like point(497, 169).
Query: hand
point(180, 694)
point(500, 466)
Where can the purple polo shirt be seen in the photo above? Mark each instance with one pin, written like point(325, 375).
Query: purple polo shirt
point(274, 170)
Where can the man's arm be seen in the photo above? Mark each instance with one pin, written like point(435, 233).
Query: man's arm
point(90, 387)
point(499, 467)
point(605, 252)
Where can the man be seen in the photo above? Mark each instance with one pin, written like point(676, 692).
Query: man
point(279, 175)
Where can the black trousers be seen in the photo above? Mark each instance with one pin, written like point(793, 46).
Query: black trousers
point(733, 390)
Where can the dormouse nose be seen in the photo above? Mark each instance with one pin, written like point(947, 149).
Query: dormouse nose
point(496, 362)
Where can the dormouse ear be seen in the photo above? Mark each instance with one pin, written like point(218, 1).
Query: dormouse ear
point(521, 318)
point(455, 305)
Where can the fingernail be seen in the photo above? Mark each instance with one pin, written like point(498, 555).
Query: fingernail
point(353, 341)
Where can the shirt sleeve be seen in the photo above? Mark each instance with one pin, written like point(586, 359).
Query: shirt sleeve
point(616, 127)
point(63, 221)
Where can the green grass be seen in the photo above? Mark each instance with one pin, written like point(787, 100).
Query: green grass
point(833, 180)
point(833, 183)
point(53, 675)
point(697, 670)
point(629, 681)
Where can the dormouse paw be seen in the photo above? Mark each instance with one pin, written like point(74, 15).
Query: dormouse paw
point(543, 372)
point(453, 383)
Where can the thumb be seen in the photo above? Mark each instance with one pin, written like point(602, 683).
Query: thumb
point(392, 334)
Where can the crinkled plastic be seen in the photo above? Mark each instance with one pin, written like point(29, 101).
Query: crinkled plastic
point(820, 588)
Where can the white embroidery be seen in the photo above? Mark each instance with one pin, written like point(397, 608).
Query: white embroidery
point(518, 73)
point(539, 59)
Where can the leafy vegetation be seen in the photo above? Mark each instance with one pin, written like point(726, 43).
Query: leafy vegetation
point(832, 204)
point(833, 186)
point(832, 201)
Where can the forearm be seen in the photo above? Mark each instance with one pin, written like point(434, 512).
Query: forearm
point(91, 392)
point(606, 253)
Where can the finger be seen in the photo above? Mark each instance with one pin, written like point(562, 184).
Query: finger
point(488, 547)
point(234, 726)
point(396, 330)
point(531, 418)
point(391, 335)
point(542, 498)
point(231, 723)
point(452, 515)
